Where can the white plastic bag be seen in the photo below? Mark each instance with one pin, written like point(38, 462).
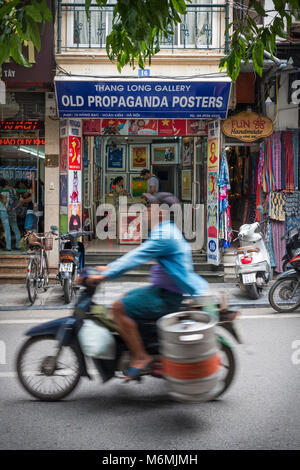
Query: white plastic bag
point(96, 341)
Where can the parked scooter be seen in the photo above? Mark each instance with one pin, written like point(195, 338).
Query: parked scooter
point(284, 295)
point(71, 261)
point(292, 247)
point(51, 361)
point(252, 264)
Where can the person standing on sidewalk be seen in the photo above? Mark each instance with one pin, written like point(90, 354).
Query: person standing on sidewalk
point(8, 214)
point(153, 181)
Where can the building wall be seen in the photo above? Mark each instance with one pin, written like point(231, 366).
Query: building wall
point(52, 182)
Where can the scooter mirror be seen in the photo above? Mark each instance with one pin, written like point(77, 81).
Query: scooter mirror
point(53, 228)
point(87, 223)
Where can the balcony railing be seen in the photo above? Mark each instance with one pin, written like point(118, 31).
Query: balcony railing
point(202, 28)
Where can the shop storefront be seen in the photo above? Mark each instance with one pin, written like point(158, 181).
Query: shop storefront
point(261, 168)
point(24, 110)
point(22, 156)
point(121, 128)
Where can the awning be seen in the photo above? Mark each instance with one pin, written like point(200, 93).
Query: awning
point(132, 99)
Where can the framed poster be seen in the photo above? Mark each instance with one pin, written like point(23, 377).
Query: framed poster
point(187, 152)
point(129, 229)
point(186, 185)
point(139, 157)
point(74, 153)
point(164, 153)
point(116, 158)
point(75, 186)
point(75, 217)
point(116, 183)
point(138, 186)
point(63, 148)
point(63, 190)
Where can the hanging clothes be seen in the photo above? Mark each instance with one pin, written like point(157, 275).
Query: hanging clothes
point(278, 231)
point(292, 204)
point(276, 142)
point(289, 161)
point(225, 227)
point(276, 206)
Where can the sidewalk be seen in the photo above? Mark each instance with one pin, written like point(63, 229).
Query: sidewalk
point(14, 296)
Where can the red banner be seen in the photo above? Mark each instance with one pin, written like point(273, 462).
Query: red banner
point(74, 153)
point(163, 127)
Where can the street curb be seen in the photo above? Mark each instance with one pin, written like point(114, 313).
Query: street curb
point(11, 308)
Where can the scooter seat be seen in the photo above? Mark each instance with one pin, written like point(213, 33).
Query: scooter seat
point(249, 249)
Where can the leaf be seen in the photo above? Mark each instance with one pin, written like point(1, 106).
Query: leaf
point(87, 8)
point(34, 13)
point(34, 33)
point(258, 51)
point(180, 6)
point(46, 11)
point(4, 51)
point(16, 52)
point(258, 7)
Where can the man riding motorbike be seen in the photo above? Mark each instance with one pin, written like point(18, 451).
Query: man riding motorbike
point(170, 278)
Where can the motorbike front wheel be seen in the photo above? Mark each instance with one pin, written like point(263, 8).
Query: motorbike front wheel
point(284, 295)
point(41, 374)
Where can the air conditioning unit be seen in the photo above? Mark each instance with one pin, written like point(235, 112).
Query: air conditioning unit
point(50, 104)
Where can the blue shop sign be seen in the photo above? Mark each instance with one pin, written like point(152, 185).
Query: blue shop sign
point(146, 99)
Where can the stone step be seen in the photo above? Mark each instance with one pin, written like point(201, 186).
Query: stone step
point(14, 260)
point(141, 276)
point(145, 268)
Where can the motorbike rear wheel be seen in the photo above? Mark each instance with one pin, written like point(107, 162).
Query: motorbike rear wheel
point(41, 375)
point(281, 295)
point(68, 290)
point(252, 291)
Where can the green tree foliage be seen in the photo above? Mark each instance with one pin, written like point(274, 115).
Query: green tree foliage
point(249, 40)
point(20, 22)
point(140, 25)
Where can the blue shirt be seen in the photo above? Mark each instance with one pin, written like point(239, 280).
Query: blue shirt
point(167, 246)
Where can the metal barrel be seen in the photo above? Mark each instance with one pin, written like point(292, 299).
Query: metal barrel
point(189, 350)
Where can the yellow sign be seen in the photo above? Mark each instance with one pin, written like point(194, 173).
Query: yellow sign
point(247, 127)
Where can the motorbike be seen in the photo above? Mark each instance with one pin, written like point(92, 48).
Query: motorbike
point(51, 361)
point(292, 246)
point(71, 260)
point(252, 264)
point(284, 295)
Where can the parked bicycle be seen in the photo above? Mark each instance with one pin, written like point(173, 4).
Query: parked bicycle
point(38, 267)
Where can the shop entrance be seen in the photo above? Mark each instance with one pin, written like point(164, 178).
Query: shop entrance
point(242, 161)
point(167, 177)
point(112, 167)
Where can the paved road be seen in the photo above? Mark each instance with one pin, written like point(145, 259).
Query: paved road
point(260, 411)
point(15, 296)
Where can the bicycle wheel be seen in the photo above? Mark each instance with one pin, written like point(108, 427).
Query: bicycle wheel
point(32, 280)
point(45, 273)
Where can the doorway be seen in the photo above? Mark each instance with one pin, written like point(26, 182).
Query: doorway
point(166, 175)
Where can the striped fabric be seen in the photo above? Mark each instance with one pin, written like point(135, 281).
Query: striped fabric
point(278, 231)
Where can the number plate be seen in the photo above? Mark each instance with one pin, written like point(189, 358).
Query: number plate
point(249, 278)
point(66, 267)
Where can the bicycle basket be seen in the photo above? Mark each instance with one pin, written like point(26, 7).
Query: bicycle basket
point(48, 243)
point(33, 240)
